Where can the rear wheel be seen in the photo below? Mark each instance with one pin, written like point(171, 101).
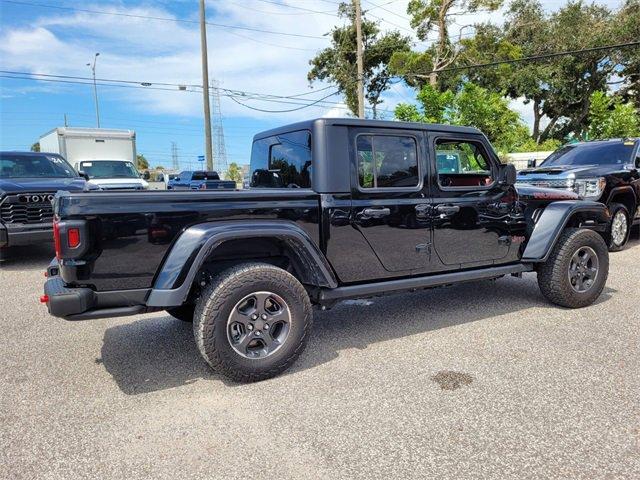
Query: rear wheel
point(620, 227)
point(577, 269)
point(252, 322)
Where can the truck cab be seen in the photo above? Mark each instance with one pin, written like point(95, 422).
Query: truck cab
point(112, 174)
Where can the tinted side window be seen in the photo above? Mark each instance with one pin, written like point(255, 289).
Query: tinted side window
point(462, 164)
point(282, 161)
point(387, 161)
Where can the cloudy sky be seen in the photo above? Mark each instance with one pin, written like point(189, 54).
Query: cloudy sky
point(158, 42)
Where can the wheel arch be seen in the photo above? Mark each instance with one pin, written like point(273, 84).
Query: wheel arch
point(212, 242)
point(626, 196)
point(555, 218)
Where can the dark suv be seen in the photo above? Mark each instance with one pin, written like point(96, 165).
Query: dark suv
point(605, 171)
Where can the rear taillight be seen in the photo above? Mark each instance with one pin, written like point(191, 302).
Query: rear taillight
point(56, 238)
point(73, 237)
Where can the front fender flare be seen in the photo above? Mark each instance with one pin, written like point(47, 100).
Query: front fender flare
point(196, 243)
point(554, 220)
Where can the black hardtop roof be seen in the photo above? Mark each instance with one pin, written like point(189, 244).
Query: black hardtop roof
point(359, 122)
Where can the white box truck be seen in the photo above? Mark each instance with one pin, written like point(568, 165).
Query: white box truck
point(106, 156)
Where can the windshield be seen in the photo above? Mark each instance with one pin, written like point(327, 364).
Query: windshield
point(109, 169)
point(605, 153)
point(16, 165)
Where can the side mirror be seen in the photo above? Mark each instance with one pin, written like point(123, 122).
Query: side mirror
point(508, 174)
point(84, 175)
point(531, 163)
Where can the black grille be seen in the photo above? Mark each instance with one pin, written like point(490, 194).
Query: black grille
point(14, 211)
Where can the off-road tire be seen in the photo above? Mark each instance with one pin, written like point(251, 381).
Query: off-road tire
point(218, 300)
point(615, 208)
point(184, 313)
point(553, 275)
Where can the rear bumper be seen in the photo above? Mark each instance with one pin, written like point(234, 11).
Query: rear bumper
point(14, 235)
point(83, 303)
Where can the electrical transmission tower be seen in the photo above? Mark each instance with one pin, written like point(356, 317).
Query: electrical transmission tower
point(219, 149)
point(175, 164)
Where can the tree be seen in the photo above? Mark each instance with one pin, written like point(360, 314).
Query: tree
point(472, 105)
point(141, 162)
point(234, 172)
point(160, 167)
point(428, 16)
point(337, 63)
point(559, 89)
point(35, 147)
point(609, 117)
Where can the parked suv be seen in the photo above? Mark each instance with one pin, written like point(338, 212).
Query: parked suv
point(28, 182)
point(604, 171)
point(336, 209)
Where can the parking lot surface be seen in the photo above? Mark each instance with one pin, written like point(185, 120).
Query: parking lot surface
point(482, 380)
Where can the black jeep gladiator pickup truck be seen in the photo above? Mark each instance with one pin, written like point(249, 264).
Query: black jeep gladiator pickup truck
point(606, 171)
point(337, 209)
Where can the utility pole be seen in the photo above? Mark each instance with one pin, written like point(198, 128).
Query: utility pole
point(360, 87)
point(95, 88)
point(205, 88)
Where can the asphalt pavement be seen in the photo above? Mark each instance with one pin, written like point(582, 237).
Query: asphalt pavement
point(482, 380)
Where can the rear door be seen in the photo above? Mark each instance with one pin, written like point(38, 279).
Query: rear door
point(390, 205)
point(470, 208)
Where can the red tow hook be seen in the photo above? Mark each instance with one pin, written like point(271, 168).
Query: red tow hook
point(44, 299)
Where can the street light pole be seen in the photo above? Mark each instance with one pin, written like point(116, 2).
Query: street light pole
point(95, 88)
point(205, 88)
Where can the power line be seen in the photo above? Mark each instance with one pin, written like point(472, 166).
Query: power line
point(528, 59)
point(163, 19)
point(283, 111)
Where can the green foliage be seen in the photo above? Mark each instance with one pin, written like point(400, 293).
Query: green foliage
point(530, 145)
point(141, 162)
point(35, 147)
point(609, 118)
point(234, 172)
point(472, 105)
point(337, 63)
point(435, 16)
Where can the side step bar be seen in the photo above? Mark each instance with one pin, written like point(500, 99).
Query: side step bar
point(328, 297)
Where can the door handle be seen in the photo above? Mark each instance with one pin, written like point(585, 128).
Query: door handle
point(376, 212)
point(448, 209)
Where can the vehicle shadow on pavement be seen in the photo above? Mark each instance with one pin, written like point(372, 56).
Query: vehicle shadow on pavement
point(28, 257)
point(159, 352)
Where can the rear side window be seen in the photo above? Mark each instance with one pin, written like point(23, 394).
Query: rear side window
point(205, 176)
point(282, 161)
point(387, 161)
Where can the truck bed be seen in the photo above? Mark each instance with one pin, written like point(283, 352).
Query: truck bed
point(131, 232)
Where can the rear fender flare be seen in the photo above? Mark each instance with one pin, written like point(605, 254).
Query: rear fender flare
point(190, 251)
point(554, 219)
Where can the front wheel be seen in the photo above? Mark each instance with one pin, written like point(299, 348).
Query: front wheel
point(620, 227)
point(576, 271)
point(252, 322)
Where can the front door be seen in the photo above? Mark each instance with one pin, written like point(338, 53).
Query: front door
point(470, 208)
point(390, 206)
